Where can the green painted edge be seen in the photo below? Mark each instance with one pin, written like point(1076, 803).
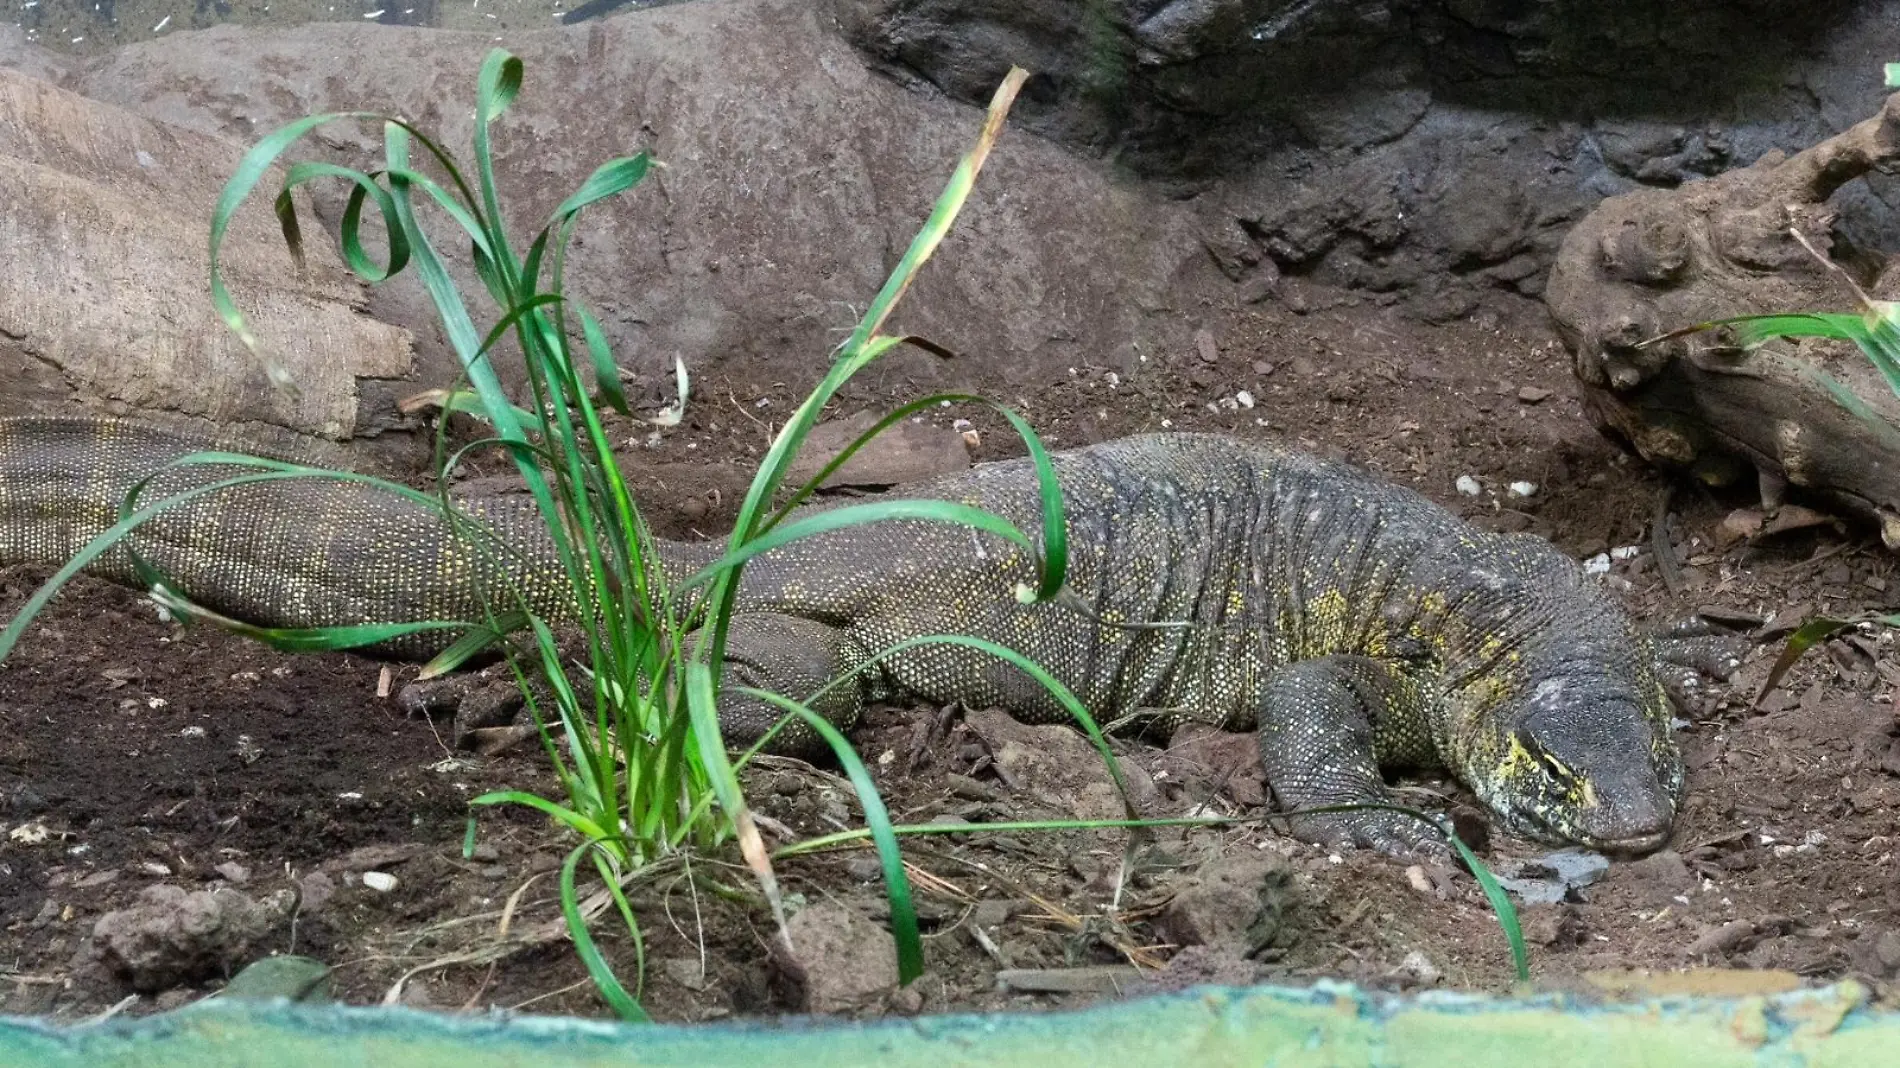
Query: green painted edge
point(1331, 1024)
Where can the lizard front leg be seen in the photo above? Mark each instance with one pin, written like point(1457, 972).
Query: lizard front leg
point(1316, 730)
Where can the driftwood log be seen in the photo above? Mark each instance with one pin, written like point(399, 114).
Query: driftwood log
point(1654, 261)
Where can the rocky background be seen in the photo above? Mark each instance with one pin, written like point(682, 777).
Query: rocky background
point(1424, 153)
point(1432, 150)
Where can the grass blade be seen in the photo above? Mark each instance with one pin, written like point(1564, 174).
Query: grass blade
point(609, 179)
point(588, 829)
point(910, 947)
point(1500, 906)
point(858, 349)
point(948, 206)
point(632, 924)
point(1810, 633)
point(597, 967)
point(298, 639)
point(857, 515)
point(1754, 331)
point(702, 708)
point(364, 186)
point(472, 644)
point(606, 371)
point(250, 170)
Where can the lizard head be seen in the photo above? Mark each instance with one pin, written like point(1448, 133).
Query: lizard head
point(1584, 751)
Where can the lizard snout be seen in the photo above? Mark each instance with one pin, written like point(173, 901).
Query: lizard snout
point(1628, 818)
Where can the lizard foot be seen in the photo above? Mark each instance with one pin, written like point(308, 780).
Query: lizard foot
point(1694, 651)
point(1391, 833)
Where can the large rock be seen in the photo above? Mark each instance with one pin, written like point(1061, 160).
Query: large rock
point(1190, 86)
point(794, 178)
point(171, 936)
point(104, 296)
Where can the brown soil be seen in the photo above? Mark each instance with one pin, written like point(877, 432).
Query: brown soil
point(148, 754)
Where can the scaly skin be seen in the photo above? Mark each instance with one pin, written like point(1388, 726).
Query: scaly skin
point(1354, 625)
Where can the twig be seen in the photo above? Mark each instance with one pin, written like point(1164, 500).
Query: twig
point(1659, 544)
point(123, 1004)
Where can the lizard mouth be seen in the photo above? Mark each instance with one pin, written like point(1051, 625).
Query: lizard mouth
point(1633, 845)
point(1623, 845)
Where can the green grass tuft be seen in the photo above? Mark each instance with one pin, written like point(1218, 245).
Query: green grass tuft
point(630, 725)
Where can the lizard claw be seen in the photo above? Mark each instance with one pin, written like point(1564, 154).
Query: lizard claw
point(1692, 652)
point(1391, 833)
point(1716, 656)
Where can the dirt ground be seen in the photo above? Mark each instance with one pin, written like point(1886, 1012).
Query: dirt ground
point(136, 754)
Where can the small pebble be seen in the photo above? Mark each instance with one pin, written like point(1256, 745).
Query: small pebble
point(1887, 951)
point(380, 881)
point(1523, 489)
point(1420, 967)
point(1533, 394)
point(1468, 486)
point(1204, 343)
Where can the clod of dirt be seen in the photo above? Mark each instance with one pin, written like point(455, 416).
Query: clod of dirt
point(1418, 968)
point(1198, 966)
point(172, 937)
point(689, 972)
point(1887, 952)
point(1206, 346)
point(1551, 925)
point(483, 704)
point(1722, 940)
point(1660, 876)
point(1207, 761)
point(1237, 902)
point(1057, 766)
point(315, 890)
point(840, 961)
point(1739, 525)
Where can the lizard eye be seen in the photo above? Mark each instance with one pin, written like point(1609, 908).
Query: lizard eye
point(1556, 769)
